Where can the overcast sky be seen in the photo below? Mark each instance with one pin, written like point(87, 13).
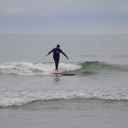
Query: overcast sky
point(63, 17)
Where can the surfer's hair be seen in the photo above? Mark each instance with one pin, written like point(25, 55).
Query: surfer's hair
point(58, 45)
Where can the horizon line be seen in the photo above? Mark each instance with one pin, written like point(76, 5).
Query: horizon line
point(63, 34)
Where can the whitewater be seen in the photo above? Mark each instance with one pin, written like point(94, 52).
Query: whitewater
point(24, 68)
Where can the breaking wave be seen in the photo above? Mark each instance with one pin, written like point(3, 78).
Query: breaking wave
point(25, 68)
point(32, 97)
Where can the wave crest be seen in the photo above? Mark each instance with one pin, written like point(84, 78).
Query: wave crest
point(87, 68)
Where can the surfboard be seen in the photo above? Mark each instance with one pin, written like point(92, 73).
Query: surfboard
point(64, 73)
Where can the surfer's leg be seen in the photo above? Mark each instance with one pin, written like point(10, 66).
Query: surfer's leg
point(56, 67)
point(57, 63)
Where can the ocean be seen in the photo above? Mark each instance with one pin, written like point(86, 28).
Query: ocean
point(96, 97)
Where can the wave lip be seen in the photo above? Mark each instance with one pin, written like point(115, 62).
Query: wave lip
point(90, 67)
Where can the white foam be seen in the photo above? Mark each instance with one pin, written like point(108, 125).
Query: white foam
point(6, 101)
point(25, 68)
point(68, 66)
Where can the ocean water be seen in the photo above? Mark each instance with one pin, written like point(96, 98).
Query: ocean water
point(101, 81)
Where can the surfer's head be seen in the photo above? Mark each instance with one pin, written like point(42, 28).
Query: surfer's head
point(58, 46)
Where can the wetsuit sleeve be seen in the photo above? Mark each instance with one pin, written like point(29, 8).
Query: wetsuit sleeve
point(63, 53)
point(50, 51)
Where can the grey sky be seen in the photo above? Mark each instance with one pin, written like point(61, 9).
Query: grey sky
point(56, 17)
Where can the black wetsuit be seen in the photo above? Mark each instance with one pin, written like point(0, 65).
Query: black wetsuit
point(56, 56)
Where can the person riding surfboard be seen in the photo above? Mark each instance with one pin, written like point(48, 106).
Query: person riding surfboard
point(56, 55)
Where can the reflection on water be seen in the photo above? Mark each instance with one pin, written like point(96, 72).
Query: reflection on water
point(57, 79)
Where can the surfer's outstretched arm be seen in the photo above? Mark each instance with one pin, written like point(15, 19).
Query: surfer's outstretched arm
point(65, 55)
point(49, 53)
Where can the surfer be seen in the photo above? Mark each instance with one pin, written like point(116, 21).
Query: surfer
point(56, 55)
